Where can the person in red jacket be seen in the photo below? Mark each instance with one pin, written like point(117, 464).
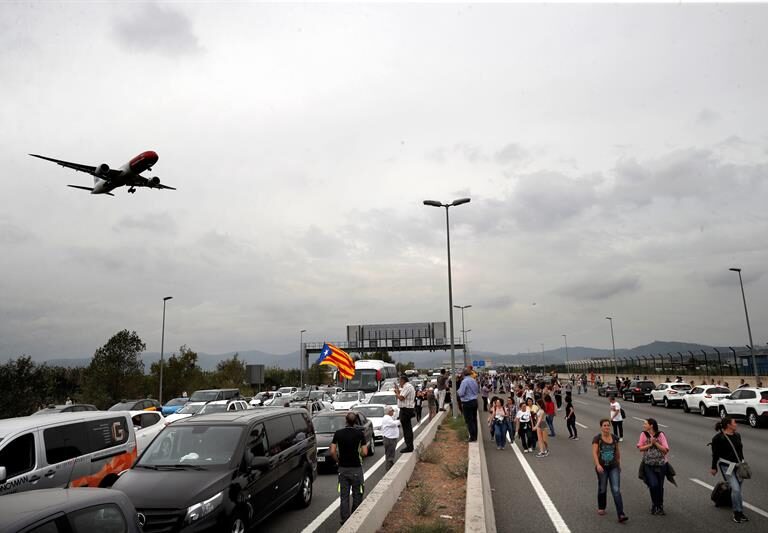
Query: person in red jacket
point(549, 411)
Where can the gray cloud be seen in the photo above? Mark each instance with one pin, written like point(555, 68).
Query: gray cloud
point(157, 28)
point(591, 289)
point(511, 153)
point(150, 222)
point(12, 234)
point(707, 117)
point(726, 278)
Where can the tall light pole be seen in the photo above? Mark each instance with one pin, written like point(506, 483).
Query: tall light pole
point(301, 357)
point(162, 349)
point(613, 343)
point(565, 338)
point(433, 203)
point(749, 329)
point(463, 333)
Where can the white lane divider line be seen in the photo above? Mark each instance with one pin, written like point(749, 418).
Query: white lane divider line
point(581, 425)
point(747, 505)
point(643, 420)
point(546, 501)
point(582, 403)
point(328, 511)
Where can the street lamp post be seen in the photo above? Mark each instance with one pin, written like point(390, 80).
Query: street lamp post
point(613, 343)
point(162, 349)
point(433, 203)
point(463, 333)
point(749, 329)
point(565, 338)
point(301, 357)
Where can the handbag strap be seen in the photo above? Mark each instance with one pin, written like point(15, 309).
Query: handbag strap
point(734, 448)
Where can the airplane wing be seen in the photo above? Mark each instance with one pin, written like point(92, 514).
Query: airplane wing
point(152, 183)
point(87, 189)
point(74, 166)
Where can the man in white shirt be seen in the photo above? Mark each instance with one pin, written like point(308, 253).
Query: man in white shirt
point(617, 421)
point(390, 430)
point(406, 401)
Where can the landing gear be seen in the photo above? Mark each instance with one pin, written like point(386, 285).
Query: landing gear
point(132, 190)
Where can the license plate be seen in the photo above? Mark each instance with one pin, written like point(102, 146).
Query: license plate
point(321, 459)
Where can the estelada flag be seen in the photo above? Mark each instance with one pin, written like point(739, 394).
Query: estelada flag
point(331, 355)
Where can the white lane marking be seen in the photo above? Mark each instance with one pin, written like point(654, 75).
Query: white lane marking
point(546, 501)
point(643, 420)
point(581, 425)
point(328, 511)
point(747, 505)
point(582, 403)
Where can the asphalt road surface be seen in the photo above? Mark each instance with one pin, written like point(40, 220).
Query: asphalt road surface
point(323, 513)
point(558, 493)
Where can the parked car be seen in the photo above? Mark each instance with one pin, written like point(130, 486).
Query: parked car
point(224, 472)
point(607, 389)
point(670, 394)
point(206, 408)
point(146, 424)
point(84, 510)
point(288, 390)
point(174, 405)
point(385, 398)
point(189, 409)
point(373, 412)
point(327, 423)
point(212, 395)
point(704, 399)
point(345, 400)
point(137, 405)
point(71, 408)
point(638, 390)
point(749, 403)
point(313, 406)
point(304, 395)
point(86, 449)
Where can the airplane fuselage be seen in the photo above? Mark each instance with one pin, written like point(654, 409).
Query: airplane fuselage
point(128, 171)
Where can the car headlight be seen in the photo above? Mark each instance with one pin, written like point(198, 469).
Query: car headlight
point(204, 508)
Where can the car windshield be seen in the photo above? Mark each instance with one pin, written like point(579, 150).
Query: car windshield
point(193, 445)
point(284, 389)
point(386, 399)
point(177, 401)
point(204, 396)
point(347, 397)
point(123, 406)
point(190, 408)
point(328, 424)
point(213, 408)
point(371, 410)
point(681, 387)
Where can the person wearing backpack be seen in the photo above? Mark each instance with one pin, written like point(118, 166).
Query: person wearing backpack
point(728, 457)
point(607, 458)
point(653, 443)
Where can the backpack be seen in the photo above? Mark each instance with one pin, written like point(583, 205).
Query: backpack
point(623, 414)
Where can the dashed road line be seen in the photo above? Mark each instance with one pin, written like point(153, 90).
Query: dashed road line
point(747, 505)
point(582, 403)
point(581, 425)
point(643, 420)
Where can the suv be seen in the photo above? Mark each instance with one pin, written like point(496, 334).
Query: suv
point(638, 390)
point(669, 394)
point(72, 510)
point(223, 472)
point(704, 399)
point(749, 403)
point(326, 424)
point(345, 400)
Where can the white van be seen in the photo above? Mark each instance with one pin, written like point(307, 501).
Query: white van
point(86, 449)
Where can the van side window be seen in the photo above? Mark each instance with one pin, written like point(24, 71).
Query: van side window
point(257, 442)
point(301, 427)
point(105, 518)
point(65, 442)
point(280, 434)
point(18, 456)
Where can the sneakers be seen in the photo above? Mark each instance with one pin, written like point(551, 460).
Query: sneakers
point(526, 450)
point(575, 438)
point(623, 518)
point(541, 454)
point(621, 439)
point(546, 452)
point(740, 517)
point(530, 450)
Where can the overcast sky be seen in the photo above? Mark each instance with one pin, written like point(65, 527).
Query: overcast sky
point(616, 157)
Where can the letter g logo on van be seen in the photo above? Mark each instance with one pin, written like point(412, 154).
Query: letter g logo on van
point(118, 433)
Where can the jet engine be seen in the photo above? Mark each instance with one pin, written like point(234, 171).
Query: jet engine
point(102, 170)
point(155, 181)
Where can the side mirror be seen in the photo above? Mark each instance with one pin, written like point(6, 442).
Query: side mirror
point(3, 474)
point(257, 463)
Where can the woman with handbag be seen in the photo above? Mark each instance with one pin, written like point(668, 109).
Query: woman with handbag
point(653, 443)
point(498, 422)
point(728, 456)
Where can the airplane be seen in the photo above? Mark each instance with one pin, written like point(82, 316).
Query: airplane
point(106, 179)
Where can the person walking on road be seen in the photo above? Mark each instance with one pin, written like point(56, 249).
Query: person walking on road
point(727, 454)
point(523, 427)
point(442, 380)
point(540, 427)
point(485, 391)
point(549, 412)
point(347, 448)
point(607, 459)
point(431, 403)
point(390, 431)
point(617, 420)
point(498, 422)
point(406, 401)
point(468, 392)
point(570, 418)
point(653, 443)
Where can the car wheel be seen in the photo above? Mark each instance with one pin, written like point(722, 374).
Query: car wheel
point(723, 414)
point(653, 401)
point(685, 407)
point(237, 523)
point(702, 409)
point(304, 496)
point(752, 419)
point(666, 403)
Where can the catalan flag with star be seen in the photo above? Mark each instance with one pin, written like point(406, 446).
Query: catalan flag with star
point(331, 355)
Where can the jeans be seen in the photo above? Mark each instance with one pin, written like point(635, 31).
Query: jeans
point(406, 415)
point(612, 474)
point(485, 403)
point(550, 419)
point(500, 433)
point(618, 428)
point(350, 478)
point(733, 481)
point(440, 399)
point(571, 423)
point(526, 436)
point(389, 451)
point(469, 409)
point(654, 478)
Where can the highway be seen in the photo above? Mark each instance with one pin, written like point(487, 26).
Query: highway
point(558, 493)
point(323, 513)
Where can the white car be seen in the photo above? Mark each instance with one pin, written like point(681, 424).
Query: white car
point(267, 398)
point(344, 400)
point(704, 399)
point(669, 393)
point(147, 425)
point(385, 398)
point(748, 403)
point(374, 412)
point(206, 408)
point(189, 409)
point(288, 390)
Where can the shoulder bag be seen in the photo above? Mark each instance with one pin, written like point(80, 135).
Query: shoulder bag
point(743, 471)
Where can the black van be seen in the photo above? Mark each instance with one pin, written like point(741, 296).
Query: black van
point(223, 472)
